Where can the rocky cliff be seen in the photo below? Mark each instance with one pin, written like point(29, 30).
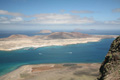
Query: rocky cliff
point(110, 68)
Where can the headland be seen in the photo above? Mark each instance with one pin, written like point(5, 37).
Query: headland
point(14, 42)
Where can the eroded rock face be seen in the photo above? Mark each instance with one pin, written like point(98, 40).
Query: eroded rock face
point(110, 68)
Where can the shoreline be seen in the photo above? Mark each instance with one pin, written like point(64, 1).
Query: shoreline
point(28, 71)
point(15, 42)
point(44, 43)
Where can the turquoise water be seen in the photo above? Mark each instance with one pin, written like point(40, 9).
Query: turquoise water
point(78, 53)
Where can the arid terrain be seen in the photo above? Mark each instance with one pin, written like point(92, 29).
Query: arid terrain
point(68, 71)
point(14, 42)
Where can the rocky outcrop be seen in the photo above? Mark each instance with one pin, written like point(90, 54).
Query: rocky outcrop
point(110, 68)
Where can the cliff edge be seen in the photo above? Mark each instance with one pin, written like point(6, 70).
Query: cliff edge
point(110, 68)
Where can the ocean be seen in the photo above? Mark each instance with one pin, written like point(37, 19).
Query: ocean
point(92, 52)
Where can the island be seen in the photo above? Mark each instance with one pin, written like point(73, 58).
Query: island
point(45, 31)
point(19, 41)
point(108, 70)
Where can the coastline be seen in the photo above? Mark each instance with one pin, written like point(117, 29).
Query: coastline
point(37, 51)
point(44, 71)
point(15, 42)
point(18, 44)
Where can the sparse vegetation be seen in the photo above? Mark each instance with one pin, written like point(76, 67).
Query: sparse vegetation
point(110, 69)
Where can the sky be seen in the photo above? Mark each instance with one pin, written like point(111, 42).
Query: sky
point(59, 14)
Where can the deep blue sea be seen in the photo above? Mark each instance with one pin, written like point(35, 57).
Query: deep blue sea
point(92, 52)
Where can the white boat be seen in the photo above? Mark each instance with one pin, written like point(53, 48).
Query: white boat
point(70, 52)
point(40, 53)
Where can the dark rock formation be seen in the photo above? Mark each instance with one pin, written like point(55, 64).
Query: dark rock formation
point(110, 68)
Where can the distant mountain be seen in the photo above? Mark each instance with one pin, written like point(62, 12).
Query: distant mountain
point(110, 68)
point(77, 30)
point(18, 36)
point(45, 31)
point(66, 35)
point(54, 35)
point(59, 35)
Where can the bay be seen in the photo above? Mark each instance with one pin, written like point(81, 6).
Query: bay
point(92, 52)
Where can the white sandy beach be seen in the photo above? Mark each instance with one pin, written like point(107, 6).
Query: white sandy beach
point(22, 43)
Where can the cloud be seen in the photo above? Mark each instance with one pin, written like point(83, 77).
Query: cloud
point(116, 10)
point(49, 18)
point(5, 20)
point(82, 11)
point(16, 19)
point(112, 22)
point(117, 21)
point(61, 19)
point(3, 12)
